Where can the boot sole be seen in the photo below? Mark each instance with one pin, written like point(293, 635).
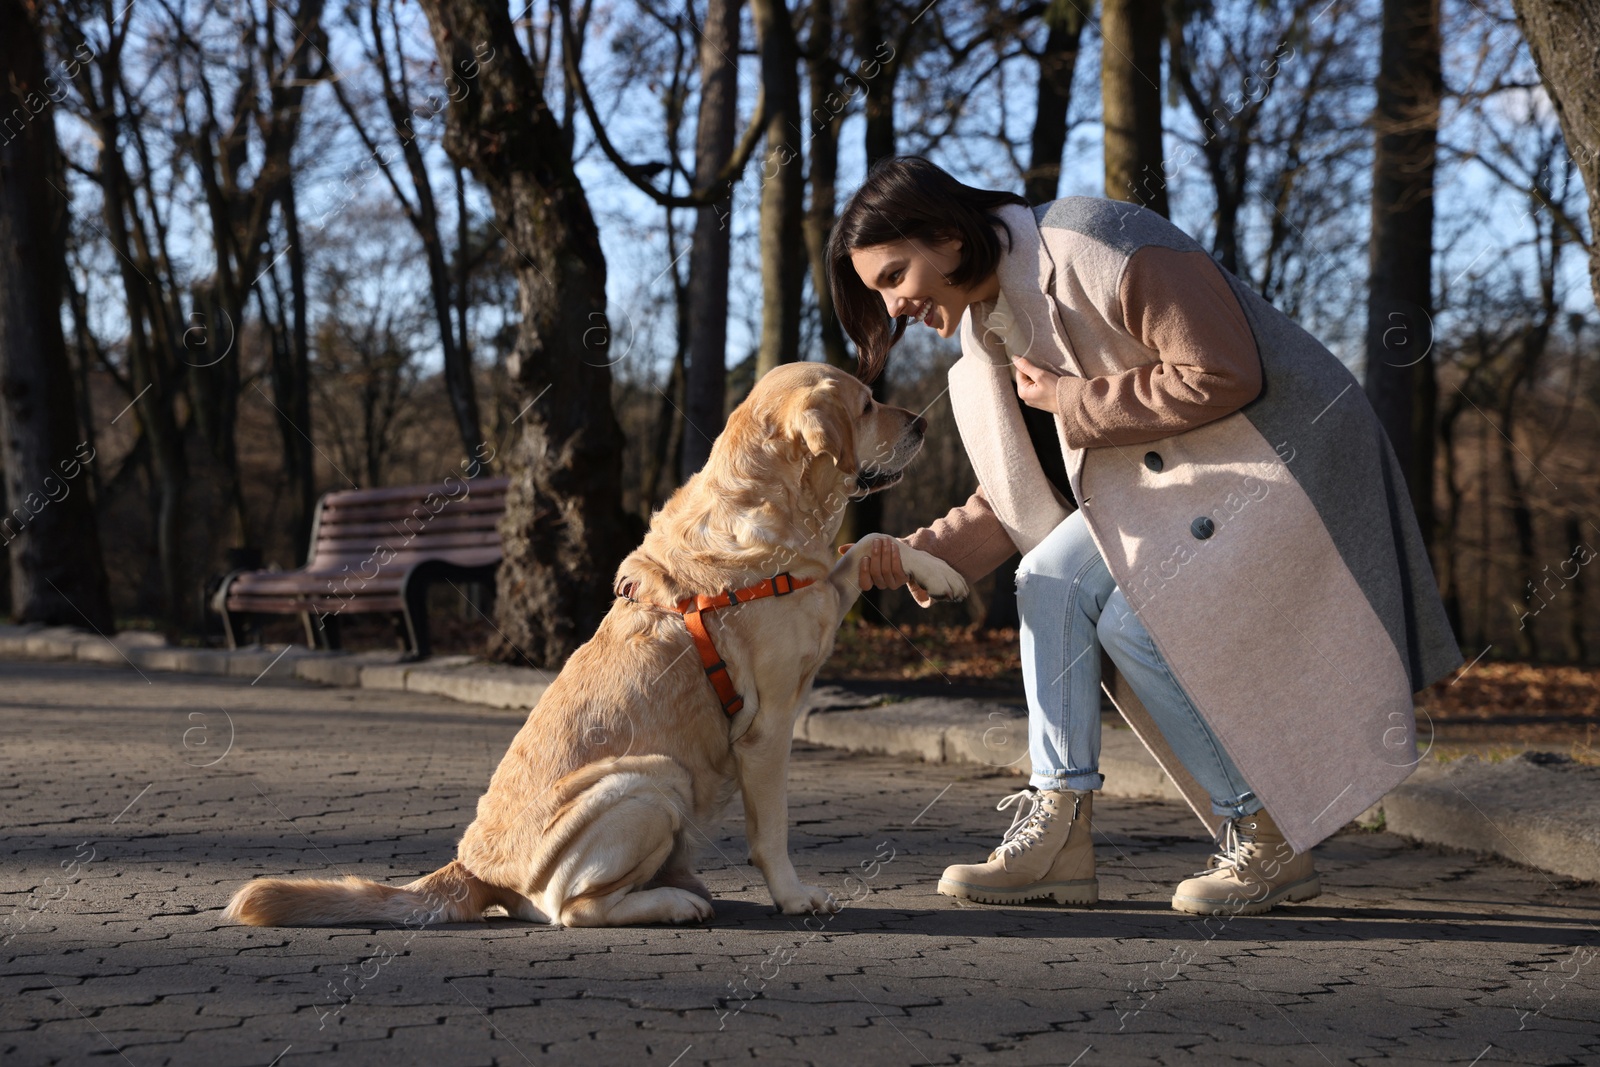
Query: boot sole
point(1304, 889)
point(1082, 891)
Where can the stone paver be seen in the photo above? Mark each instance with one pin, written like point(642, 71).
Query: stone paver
point(133, 807)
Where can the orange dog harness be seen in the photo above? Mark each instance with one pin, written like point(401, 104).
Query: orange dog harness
point(693, 610)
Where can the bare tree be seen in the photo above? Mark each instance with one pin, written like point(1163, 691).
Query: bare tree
point(707, 368)
point(57, 573)
point(374, 321)
point(828, 105)
point(564, 529)
point(1400, 379)
point(1564, 38)
point(156, 377)
point(1228, 102)
point(1058, 62)
point(1130, 101)
point(783, 259)
point(381, 38)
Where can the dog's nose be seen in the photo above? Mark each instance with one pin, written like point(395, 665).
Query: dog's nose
point(920, 425)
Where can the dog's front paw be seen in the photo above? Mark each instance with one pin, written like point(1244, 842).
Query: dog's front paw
point(688, 907)
point(806, 900)
point(934, 575)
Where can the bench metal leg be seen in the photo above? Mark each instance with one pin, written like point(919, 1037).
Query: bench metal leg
point(414, 619)
point(415, 589)
point(219, 603)
point(322, 631)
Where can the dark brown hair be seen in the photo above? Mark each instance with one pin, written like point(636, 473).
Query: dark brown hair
point(907, 198)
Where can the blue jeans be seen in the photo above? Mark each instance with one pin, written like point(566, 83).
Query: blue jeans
point(1070, 607)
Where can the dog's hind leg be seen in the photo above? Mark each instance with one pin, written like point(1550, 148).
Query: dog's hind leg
point(603, 876)
point(678, 871)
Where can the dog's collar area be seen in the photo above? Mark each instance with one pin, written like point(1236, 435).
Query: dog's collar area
point(693, 609)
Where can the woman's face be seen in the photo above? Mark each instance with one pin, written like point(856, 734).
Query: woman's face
point(911, 276)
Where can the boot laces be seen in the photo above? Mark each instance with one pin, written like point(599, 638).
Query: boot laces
point(1025, 821)
point(1239, 847)
point(1028, 823)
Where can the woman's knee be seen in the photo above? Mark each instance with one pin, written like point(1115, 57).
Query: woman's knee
point(1119, 629)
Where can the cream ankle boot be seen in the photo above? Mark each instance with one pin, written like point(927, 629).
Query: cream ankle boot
point(1047, 852)
point(1255, 870)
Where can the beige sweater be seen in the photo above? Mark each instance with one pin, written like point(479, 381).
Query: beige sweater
point(1178, 305)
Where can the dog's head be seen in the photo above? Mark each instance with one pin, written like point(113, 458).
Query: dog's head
point(827, 417)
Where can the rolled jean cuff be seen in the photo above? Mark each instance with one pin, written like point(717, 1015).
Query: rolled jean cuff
point(1238, 808)
point(1080, 781)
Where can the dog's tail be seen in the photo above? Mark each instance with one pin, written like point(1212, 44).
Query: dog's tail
point(450, 894)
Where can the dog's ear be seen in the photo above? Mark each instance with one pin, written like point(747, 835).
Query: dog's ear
point(826, 427)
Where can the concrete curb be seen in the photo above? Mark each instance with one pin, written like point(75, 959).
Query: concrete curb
point(1538, 810)
point(983, 733)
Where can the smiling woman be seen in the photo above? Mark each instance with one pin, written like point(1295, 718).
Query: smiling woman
point(915, 245)
point(1264, 654)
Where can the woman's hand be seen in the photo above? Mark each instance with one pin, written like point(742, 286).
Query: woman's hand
point(1036, 385)
point(881, 569)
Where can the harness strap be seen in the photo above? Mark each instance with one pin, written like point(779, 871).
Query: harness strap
point(693, 610)
point(711, 660)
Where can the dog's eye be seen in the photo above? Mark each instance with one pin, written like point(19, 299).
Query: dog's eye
point(867, 407)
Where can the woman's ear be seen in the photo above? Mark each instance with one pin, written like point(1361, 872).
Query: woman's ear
point(828, 429)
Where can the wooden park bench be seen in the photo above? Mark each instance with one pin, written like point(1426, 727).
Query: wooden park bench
point(373, 551)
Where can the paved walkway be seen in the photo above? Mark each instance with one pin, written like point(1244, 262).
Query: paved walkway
point(132, 808)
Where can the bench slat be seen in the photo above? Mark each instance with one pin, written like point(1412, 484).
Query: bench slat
point(476, 487)
point(363, 561)
point(405, 526)
point(390, 576)
point(440, 545)
point(443, 505)
point(283, 605)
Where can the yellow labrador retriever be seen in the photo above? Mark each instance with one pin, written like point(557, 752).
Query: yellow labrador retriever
point(640, 741)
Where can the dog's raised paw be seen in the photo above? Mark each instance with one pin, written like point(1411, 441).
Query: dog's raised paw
point(941, 581)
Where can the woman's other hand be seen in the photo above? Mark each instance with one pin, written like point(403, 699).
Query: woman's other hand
point(881, 569)
point(1036, 385)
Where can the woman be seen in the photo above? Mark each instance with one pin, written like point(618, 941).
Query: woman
point(1234, 533)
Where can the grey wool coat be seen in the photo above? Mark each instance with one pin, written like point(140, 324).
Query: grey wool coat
point(1239, 487)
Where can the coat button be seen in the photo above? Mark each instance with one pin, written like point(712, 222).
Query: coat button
point(1202, 528)
point(1153, 460)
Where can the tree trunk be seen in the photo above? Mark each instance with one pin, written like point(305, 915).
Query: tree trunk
point(564, 530)
point(705, 376)
point(1400, 379)
point(57, 573)
point(1527, 602)
point(1575, 644)
point(866, 25)
point(660, 457)
point(1564, 39)
point(1447, 555)
point(463, 292)
point(827, 109)
point(783, 258)
point(291, 386)
point(1056, 67)
point(240, 215)
point(1130, 92)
